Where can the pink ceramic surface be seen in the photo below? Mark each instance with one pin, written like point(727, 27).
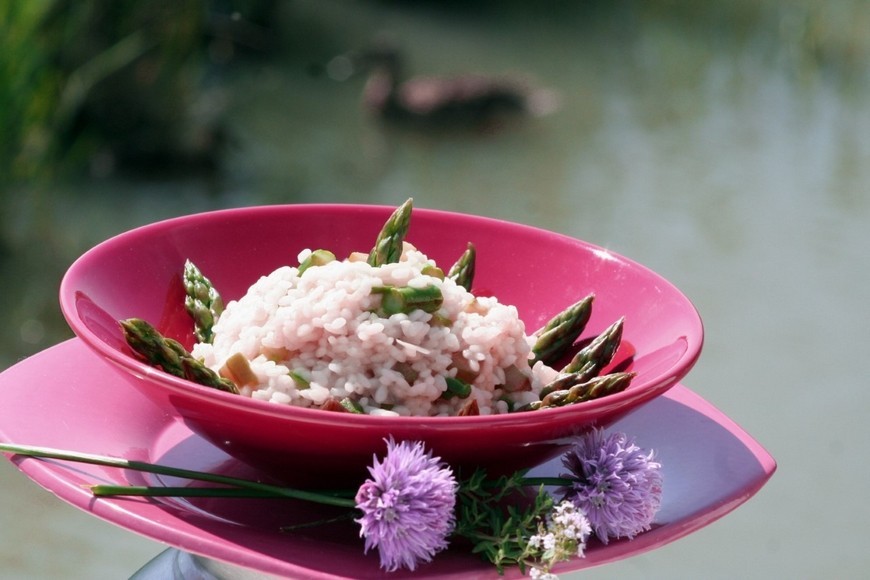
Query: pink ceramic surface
point(138, 274)
point(67, 398)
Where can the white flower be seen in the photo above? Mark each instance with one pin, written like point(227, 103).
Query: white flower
point(538, 574)
point(562, 536)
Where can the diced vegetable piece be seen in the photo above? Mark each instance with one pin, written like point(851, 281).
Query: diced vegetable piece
point(351, 406)
point(407, 371)
point(238, 369)
point(301, 381)
point(333, 405)
point(469, 409)
point(433, 271)
point(515, 380)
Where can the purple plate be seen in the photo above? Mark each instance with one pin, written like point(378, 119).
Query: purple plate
point(66, 397)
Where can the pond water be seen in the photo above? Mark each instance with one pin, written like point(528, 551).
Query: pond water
point(727, 148)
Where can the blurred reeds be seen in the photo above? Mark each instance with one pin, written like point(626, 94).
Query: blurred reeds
point(92, 86)
point(105, 83)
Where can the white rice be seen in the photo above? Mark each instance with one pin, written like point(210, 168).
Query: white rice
point(323, 326)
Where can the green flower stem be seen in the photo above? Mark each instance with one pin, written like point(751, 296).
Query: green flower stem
point(263, 490)
point(546, 481)
point(324, 521)
point(276, 492)
point(48, 453)
point(241, 488)
point(149, 491)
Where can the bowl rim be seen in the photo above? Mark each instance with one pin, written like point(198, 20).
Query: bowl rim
point(644, 392)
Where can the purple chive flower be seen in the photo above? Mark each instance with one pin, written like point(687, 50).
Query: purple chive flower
point(617, 484)
point(407, 506)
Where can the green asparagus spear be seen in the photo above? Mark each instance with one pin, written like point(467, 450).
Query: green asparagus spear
point(600, 351)
point(406, 299)
point(170, 355)
point(202, 302)
point(604, 385)
point(557, 336)
point(151, 346)
point(388, 246)
point(594, 388)
point(462, 272)
point(197, 372)
point(568, 380)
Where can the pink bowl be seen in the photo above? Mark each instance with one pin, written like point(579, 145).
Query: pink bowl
point(138, 274)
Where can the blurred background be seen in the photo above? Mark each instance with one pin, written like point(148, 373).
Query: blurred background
point(725, 145)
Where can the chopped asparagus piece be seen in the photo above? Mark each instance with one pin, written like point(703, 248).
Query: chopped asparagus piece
point(456, 388)
point(352, 406)
point(316, 258)
point(406, 299)
point(301, 381)
point(433, 271)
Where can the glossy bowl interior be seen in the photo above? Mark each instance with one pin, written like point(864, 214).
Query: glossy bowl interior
point(138, 274)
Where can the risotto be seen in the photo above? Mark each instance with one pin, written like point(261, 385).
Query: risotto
point(382, 333)
point(324, 334)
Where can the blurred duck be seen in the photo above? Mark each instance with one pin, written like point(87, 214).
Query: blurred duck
point(464, 101)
